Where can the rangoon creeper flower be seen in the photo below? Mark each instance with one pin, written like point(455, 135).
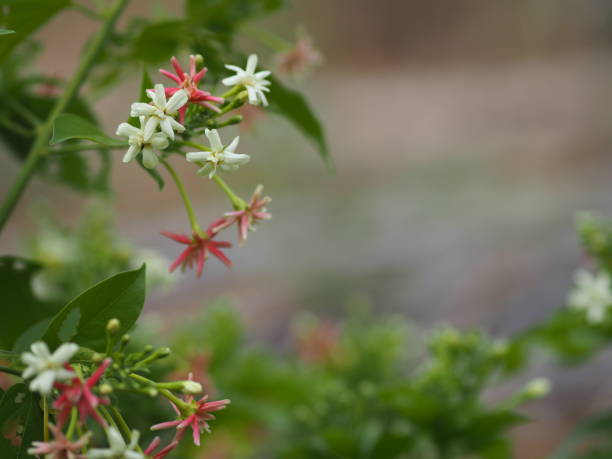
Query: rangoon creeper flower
point(255, 83)
point(46, 367)
point(246, 218)
point(137, 142)
point(301, 57)
point(198, 417)
point(220, 157)
point(198, 250)
point(160, 112)
point(60, 447)
point(189, 82)
point(79, 394)
point(592, 294)
point(118, 448)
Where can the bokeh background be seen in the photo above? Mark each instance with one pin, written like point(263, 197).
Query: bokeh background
point(466, 135)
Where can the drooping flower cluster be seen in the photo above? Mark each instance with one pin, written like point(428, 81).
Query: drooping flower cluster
point(81, 399)
point(159, 130)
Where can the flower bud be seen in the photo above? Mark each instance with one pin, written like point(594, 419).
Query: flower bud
point(191, 387)
point(199, 61)
point(97, 357)
point(105, 389)
point(148, 348)
point(113, 326)
point(537, 388)
point(125, 339)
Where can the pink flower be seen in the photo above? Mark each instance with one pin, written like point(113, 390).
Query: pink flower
point(297, 60)
point(60, 447)
point(199, 413)
point(189, 82)
point(79, 394)
point(246, 218)
point(198, 250)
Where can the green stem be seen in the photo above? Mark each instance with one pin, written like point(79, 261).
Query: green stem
point(25, 113)
point(238, 203)
point(108, 417)
point(10, 371)
point(180, 404)
point(81, 147)
point(45, 419)
point(193, 221)
point(73, 420)
point(39, 147)
point(17, 128)
point(124, 426)
point(235, 90)
point(189, 143)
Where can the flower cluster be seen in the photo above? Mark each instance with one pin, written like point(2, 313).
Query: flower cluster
point(79, 399)
point(171, 121)
point(591, 294)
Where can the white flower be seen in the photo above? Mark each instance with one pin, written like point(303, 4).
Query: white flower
point(136, 139)
point(118, 449)
point(592, 294)
point(255, 84)
point(220, 157)
point(47, 367)
point(160, 112)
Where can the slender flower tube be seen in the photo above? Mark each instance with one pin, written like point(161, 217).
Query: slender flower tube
point(189, 83)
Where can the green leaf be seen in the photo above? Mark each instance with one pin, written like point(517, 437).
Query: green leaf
point(22, 406)
point(159, 40)
point(32, 421)
point(294, 107)
point(6, 32)
point(18, 305)
point(24, 17)
point(69, 127)
point(83, 320)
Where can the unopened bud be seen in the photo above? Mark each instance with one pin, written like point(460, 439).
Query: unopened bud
point(152, 392)
point(163, 352)
point(191, 388)
point(125, 339)
point(537, 388)
point(113, 326)
point(148, 348)
point(105, 389)
point(97, 357)
point(199, 60)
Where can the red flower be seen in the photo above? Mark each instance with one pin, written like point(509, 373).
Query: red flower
point(189, 82)
point(198, 250)
point(60, 447)
point(200, 414)
point(246, 218)
point(79, 394)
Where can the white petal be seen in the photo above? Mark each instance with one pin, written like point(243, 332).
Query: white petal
point(261, 75)
point(231, 81)
point(234, 68)
point(206, 169)
point(166, 127)
point(251, 63)
point(178, 127)
point(214, 139)
point(149, 158)
point(159, 98)
point(43, 383)
point(62, 374)
point(252, 95)
point(115, 440)
point(40, 350)
point(198, 156)
point(264, 99)
point(231, 148)
point(28, 372)
point(159, 141)
point(178, 99)
point(236, 158)
point(132, 455)
point(100, 454)
point(131, 153)
point(126, 130)
point(150, 127)
point(142, 109)
point(64, 353)
point(29, 359)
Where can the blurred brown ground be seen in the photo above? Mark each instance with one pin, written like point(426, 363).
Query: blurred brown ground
point(466, 135)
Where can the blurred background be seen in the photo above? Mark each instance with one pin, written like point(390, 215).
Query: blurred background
point(466, 135)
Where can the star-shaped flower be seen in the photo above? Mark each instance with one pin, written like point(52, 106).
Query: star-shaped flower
point(160, 112)
point(255, 83)
point(189, 83)
point(592, 294)
point(79, 394)
point(198, 250)
point(220, 157)
point(246, 218)
point(199, 413)
point(137, 142)
point(118, 449)
point(60, 447)
point(46, 367)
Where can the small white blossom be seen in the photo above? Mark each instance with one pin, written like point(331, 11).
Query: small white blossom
point(46, 367)
point(160, 112)
point(118, 448)
point(220, 157)
point(592, 294)
point(137, 142)
point(255, 83)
